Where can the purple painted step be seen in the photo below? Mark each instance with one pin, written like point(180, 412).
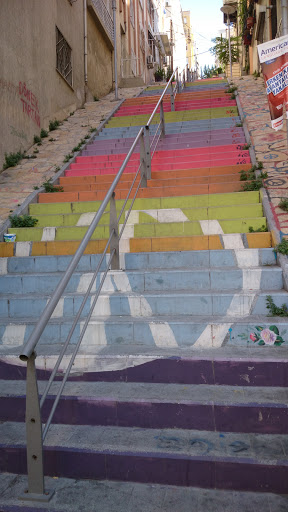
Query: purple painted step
point(265, 418)
point(221, 371)
point(169, 146)
point(164, 467)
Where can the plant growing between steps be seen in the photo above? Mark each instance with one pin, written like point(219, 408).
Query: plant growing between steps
point(67, 158)
point(43, 133)
point(53, 125)
point(275, 310)
point(22, 221)
point(282, 247)
point(253, 182)
point(263, 229)
point(50, 188)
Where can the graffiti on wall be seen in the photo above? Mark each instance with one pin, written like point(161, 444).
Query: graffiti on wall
point(29, 103)
point(9, 88)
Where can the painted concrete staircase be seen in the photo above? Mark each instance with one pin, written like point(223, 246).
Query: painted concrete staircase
point(181, 376)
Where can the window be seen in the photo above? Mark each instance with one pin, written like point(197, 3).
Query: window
point(64, 58)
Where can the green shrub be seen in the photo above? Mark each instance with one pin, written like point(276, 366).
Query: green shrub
point(22, 221)
point(282, 247)
point(37, 139)
point(12, 159)
point(275, 310)
point(53, 125)
point(43, 133)
point(49, 187)
point(283, 204)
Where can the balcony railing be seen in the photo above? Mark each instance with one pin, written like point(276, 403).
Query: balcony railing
point(103, 11)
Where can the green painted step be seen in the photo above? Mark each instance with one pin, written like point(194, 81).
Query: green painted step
point(220, 212)
point(151, 229)
point(201, 201)
point(194, 228)
point(174, 117)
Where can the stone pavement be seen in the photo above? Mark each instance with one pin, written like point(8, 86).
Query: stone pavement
point(270, 146)
point(16, 183)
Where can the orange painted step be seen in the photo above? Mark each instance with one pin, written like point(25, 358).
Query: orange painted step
point(163, 182)
point(149, 192)
point(108, 178)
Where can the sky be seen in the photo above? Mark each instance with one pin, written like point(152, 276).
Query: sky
point(206, 20)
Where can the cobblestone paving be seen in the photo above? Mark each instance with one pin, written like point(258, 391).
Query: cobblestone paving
point(270, 146)
point(16, 183)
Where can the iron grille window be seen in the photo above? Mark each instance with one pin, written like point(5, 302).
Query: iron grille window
point(64, 58)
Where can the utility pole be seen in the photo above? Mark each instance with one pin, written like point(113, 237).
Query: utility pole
point(171, 43)
point(228, 9)
point(115, 49)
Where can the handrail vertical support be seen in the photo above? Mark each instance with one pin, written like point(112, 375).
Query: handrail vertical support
point(36, 490)
point(162, 120)
point(178, 82)
point(172, 99)
point(145, 156)
point(114, 244)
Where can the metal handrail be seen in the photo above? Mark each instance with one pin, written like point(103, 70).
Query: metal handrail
point(34, 432)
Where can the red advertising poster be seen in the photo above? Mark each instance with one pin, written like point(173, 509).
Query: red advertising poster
point(273, 57)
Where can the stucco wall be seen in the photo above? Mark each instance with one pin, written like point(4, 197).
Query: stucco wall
point(32, 92)
point(100, 80)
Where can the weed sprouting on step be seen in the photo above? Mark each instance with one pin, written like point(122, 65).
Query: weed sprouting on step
point(22, 221)
point(246, 146)
point(53, 125)
point(231, 89)
point(49, 187)
point(275, 310)
point(239, 125)
point(282, 247)
point(284, 204)
point(67, 158)
point(12, 159)
point(43, 133)
point(36, 139)
point(263, 229)
point(253, 182)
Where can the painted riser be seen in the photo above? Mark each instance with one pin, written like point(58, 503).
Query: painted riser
point(206, 200)
point(160, 332)
point(245, 372)
point(140, 261)
point(143, 230)
point(144, 413)
point(251, 211)
point(214, 304)
point(165, 468)
point(263, 279)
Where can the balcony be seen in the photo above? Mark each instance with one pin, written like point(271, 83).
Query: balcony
point(101, 12)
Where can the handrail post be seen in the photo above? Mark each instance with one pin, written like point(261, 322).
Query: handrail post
point(145, 156)
point(172, 99)
point(36, 490)
point(162, 120)
point(114, 244)
point(178, 82)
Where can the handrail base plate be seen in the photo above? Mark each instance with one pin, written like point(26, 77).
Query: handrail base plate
point(31, 496)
